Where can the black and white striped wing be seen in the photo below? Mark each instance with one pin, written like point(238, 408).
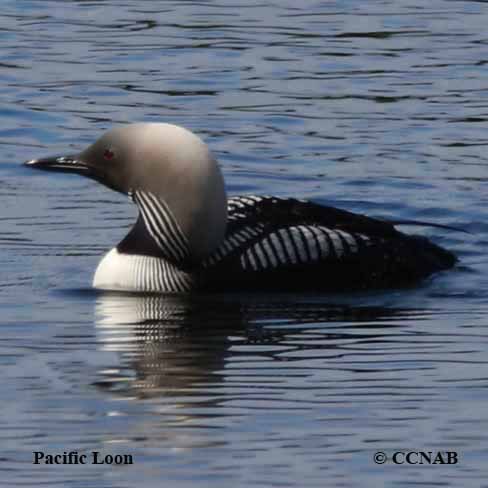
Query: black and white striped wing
point(262, 237)
point(300, 245)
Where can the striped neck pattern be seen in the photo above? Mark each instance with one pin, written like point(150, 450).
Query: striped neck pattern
point(162, 226)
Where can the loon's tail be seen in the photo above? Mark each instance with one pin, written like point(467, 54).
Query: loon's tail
point(435, 257)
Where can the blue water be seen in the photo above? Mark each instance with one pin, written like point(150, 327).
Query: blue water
point(376, 107)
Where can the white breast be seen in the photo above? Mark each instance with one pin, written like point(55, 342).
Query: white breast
point(131, 272)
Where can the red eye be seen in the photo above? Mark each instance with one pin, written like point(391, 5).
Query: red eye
point(108, 154)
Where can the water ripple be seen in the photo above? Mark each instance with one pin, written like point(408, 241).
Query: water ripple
point(376, 107)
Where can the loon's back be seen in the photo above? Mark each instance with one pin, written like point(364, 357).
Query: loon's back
point(278, 244)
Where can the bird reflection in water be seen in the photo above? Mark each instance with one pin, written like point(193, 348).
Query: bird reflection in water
point(184, 346)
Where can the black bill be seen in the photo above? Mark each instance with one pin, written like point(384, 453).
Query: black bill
point(68, 164)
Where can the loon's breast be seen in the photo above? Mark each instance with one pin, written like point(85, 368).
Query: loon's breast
point(282, 244)
point(140, 273)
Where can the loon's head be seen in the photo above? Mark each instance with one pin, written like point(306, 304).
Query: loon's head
point(165, 160)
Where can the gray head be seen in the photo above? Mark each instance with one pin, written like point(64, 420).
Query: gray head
point(166, 161)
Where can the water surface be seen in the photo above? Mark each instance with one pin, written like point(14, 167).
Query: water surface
point(376, 107)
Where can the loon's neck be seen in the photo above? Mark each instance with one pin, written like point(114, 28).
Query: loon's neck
point(156, 255)
point(139, 264)
point(139, 241)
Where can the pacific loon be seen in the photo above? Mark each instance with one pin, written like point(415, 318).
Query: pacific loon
point(190, 237)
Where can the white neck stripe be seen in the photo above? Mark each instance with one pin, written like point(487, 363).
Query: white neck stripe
point(162, 226)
